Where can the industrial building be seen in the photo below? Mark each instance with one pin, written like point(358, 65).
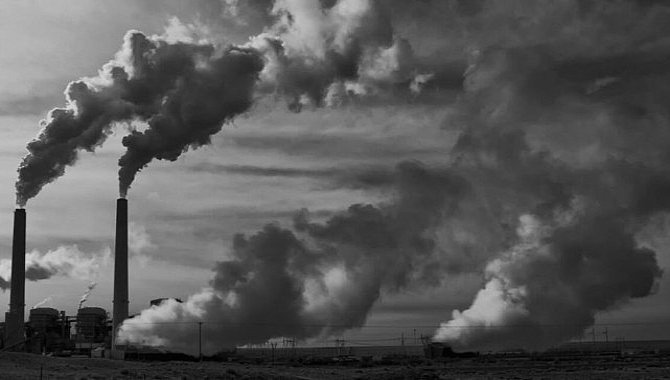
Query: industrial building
point(48, 330)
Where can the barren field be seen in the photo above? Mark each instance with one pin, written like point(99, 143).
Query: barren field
point(27, 366)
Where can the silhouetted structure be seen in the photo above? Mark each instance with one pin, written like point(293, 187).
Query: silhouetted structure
point(48, 331)
point(120, 312)
point(15, 317)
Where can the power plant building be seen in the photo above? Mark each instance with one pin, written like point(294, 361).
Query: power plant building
point(50, 330)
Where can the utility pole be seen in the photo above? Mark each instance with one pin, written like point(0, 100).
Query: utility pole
point(593, 335)
point(339, 345)
point(273, 345)
point(199, 341)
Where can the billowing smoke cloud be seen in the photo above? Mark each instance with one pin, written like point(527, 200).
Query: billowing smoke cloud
point(312, 54)
point(66, 261)
point(326, 54)
point(321, 280)
point(579, 198)
point(559, 165)
point(184, 91)
point(548, 286)
point(193, 89)
point(139, 240)
point(82, 125)
point(87, 293)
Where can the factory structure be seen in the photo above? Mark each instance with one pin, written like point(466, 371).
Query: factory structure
point(48, 330)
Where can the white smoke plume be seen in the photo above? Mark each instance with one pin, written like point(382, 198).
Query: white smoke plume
point(67, 261)
point(139, 243)
point(87, 293)
point(139, 240)
point(547, 288)
point(43, 302)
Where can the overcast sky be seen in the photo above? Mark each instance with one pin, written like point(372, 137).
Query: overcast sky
point(581, 82)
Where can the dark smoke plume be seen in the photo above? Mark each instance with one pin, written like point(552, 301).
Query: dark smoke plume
point(183, 91)
point(572, 249)
point(561, 162)
point(320, 280)
point(83, 125)
point(190, 91)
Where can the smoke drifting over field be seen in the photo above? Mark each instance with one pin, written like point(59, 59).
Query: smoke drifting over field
point(559, 164)
point(322, 279)
point(66, 261)
point(560, 161)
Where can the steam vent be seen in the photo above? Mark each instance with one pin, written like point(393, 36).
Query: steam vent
point(120, 312)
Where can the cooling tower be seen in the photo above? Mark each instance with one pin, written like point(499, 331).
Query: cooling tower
point(120, 312)
point(14, 318)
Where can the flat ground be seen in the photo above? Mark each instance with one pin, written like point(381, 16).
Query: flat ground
point(27, 366)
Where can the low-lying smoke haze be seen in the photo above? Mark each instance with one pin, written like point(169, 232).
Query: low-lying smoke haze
point(68, 261)
point(384, 148)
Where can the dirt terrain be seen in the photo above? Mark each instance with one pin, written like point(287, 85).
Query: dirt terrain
point(27, 366)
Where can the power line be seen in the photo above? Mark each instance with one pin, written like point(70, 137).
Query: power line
point(399, 326)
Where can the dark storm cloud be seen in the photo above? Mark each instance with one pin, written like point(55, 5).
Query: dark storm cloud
point(372, 177)
point(328, 146)
point(412, 307)
point(214, 224)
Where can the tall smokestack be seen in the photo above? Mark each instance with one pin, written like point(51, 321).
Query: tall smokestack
point(14, 318)
point(120, 312)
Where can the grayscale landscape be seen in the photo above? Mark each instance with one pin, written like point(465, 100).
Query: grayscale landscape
point(317, 189)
